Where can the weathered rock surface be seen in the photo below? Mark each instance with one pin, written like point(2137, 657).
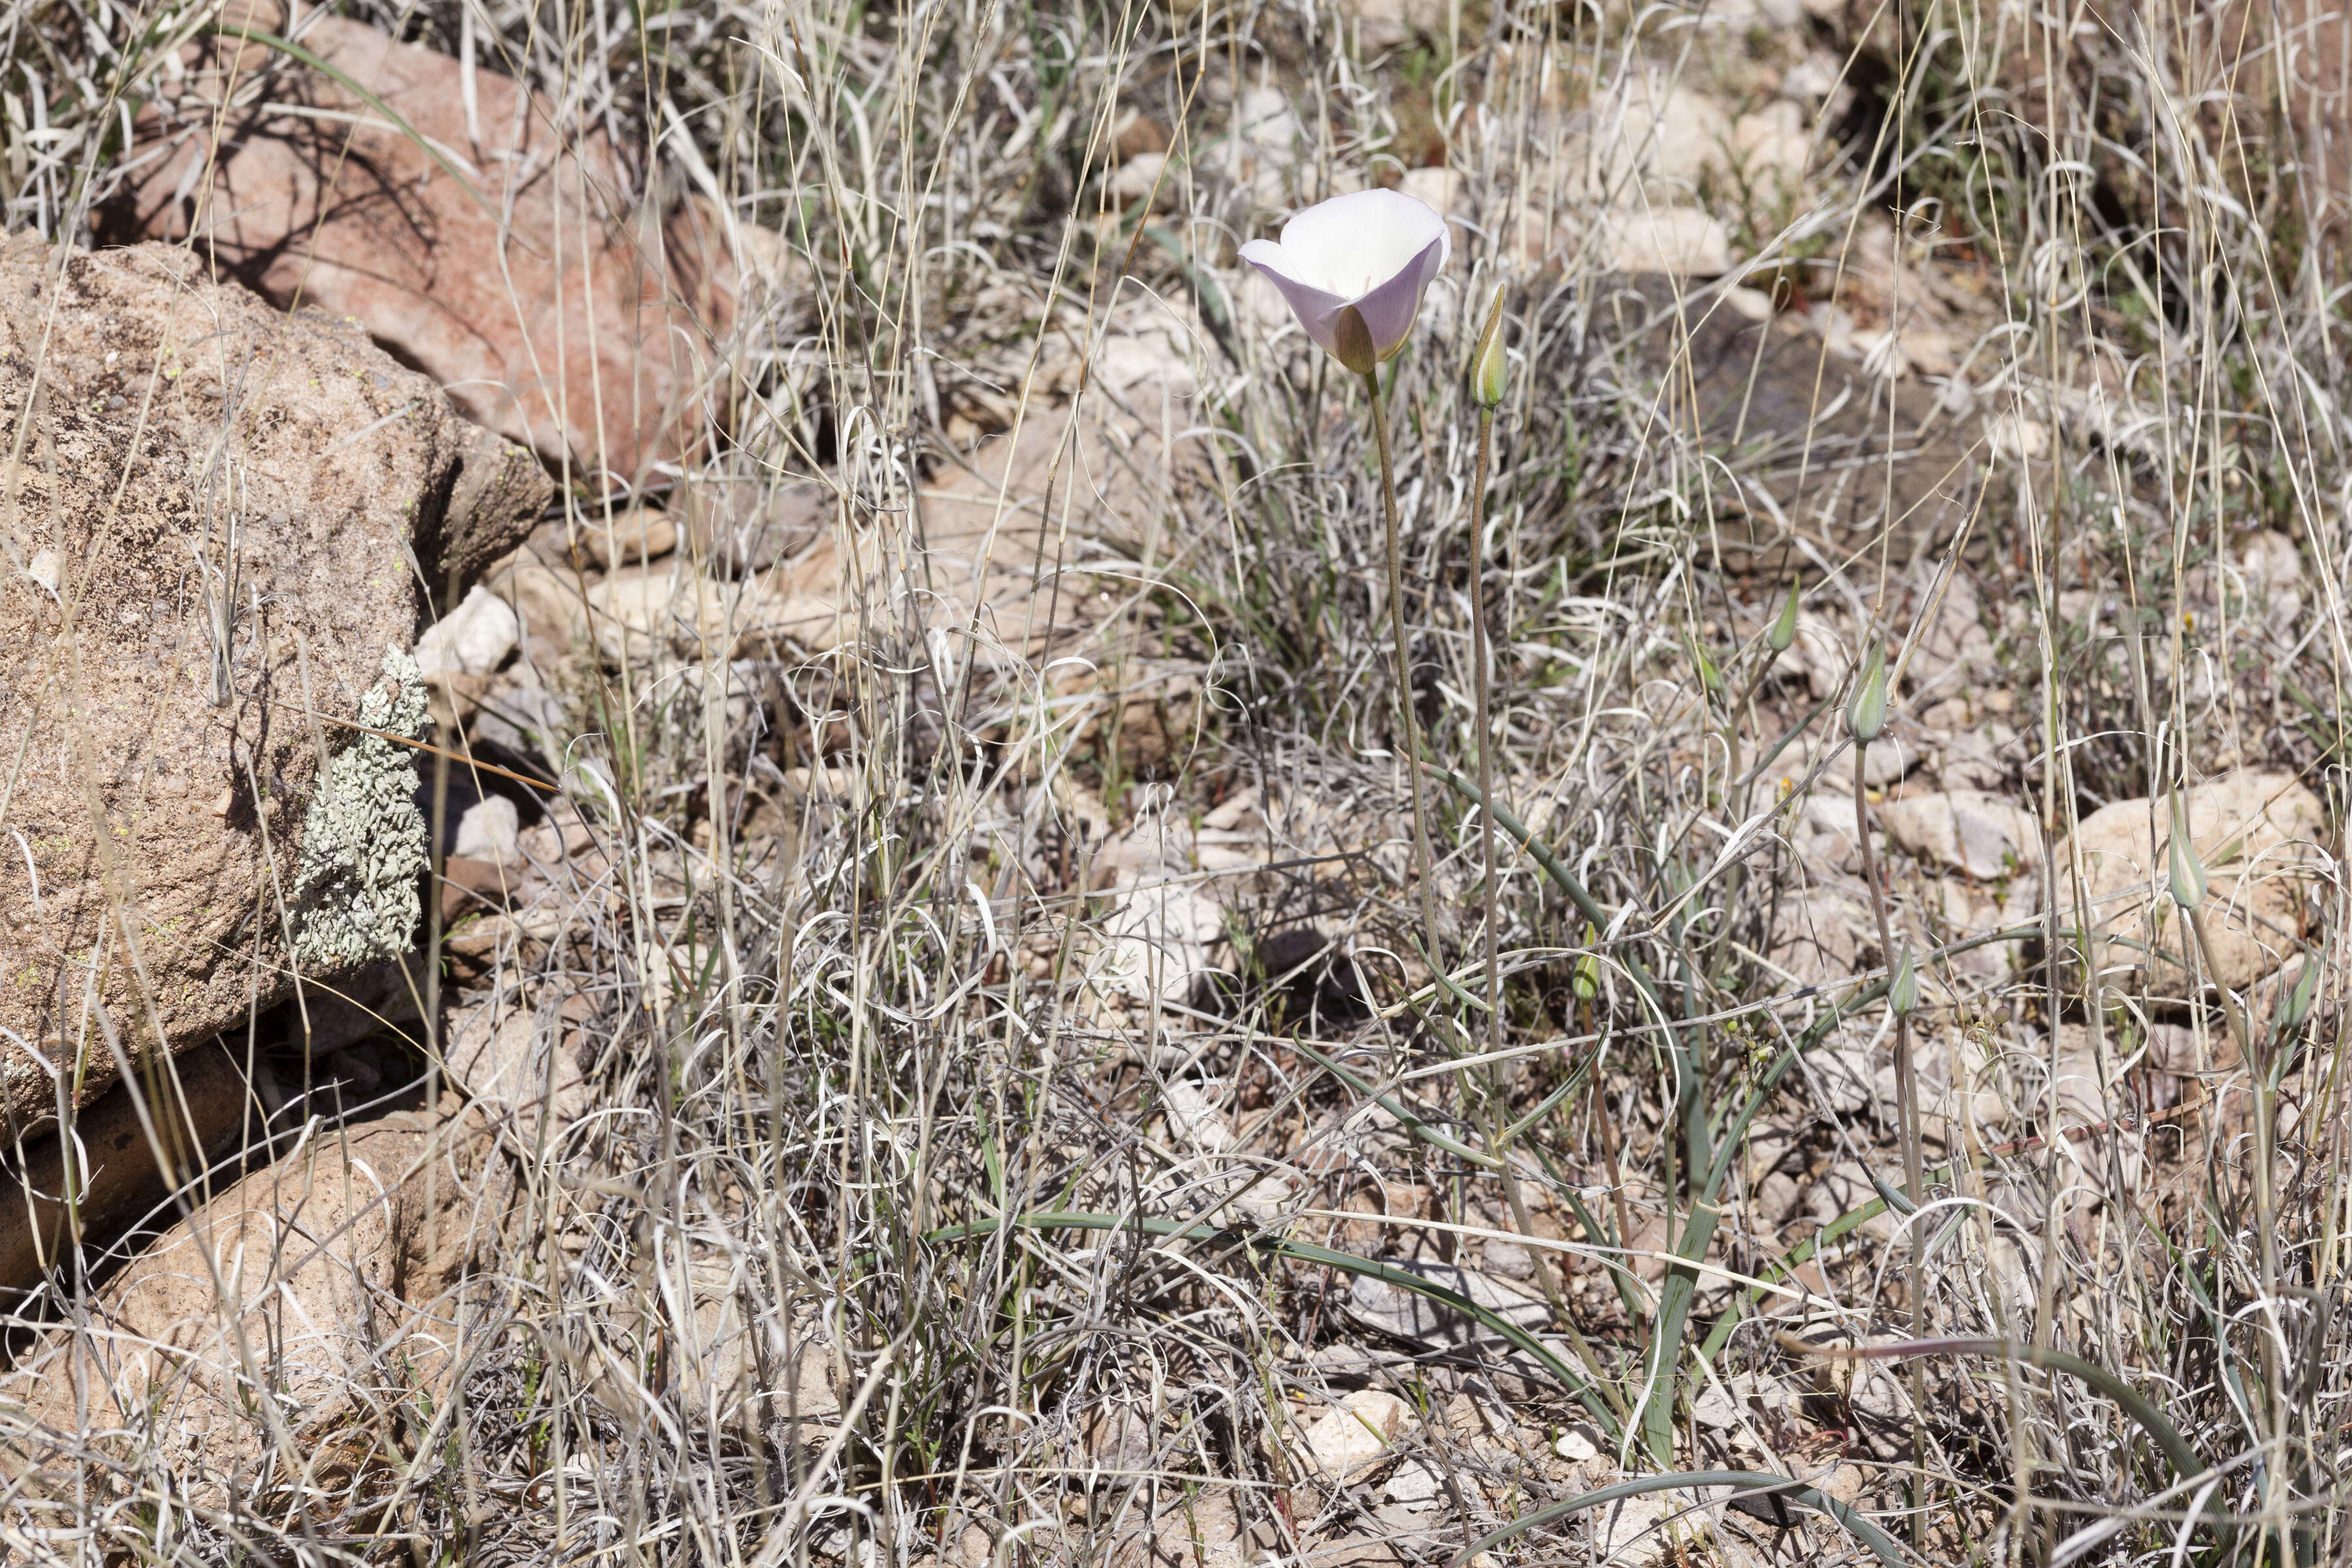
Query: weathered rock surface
point(991, 551)
point(207, 539)
point(1954, 652)
point(500, 489)
point(1679, 241)
point(257, 1340)
point(2259, 835)
point(514, 1069)
point(1820, 936)
point(135, 1144)
point(1958, 909)
point(1646, 1529)
point(1965, 830)
point(1409, 1315)
point(253, 1344)
point(555, 307)
point(1959, 1082)
point(1348, 1443)
point(474, 639)
point(488, 830)
point(1386, 24)
point(633, 536)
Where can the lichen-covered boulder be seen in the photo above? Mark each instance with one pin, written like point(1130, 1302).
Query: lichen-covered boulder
point(209, 509)
point(355, 898)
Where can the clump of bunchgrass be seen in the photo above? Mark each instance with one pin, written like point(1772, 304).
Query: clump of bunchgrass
point(895, 1229)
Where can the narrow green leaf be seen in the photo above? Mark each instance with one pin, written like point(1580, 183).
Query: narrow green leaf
point(1665, 1359)
point(1752, 1481)
point(1323, 1257)
point(2186, 1466)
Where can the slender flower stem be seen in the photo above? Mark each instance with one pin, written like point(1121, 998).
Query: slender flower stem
point(1481, 686)
point(1478, 660)
point(2265, 1160)
point(1409, 729)
point(1906, 1084)
point(1906, 1117)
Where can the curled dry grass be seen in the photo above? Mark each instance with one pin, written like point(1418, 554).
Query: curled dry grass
point(912, 1219)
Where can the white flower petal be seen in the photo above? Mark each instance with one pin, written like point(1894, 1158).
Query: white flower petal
point(1351, 245)
point(1389, 310)
point(1317, 311)
point(1375, 250)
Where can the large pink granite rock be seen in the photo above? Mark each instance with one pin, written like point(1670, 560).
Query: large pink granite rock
point(551, 306)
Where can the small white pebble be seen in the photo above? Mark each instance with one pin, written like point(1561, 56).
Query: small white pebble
point(1576, 1445)
point(488, 830)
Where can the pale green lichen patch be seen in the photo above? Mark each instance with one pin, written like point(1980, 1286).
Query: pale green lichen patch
point(363, 841)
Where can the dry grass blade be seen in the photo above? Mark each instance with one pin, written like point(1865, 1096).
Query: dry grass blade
point(931, 1042)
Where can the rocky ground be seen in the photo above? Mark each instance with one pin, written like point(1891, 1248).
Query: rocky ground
point(711, 861)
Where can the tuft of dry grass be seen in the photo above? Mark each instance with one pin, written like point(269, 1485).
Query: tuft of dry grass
point(1011, 1125)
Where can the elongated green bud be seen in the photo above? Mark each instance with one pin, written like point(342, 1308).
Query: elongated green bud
point(1587, 976)
point(1489, 365)
point(1865, 716)
point(1709, 675)
point(2188, 870)
point(1902, 991)
point(2299, 1000)
point(1783, 634)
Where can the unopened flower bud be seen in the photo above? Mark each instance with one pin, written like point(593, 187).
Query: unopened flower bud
point(1903, 990)
point(1784, 630)
point(1708, 676)
point(1587, 976)
point(1489, 365)
point(2299, 999)
point(2188, 870)
point(1865, 716)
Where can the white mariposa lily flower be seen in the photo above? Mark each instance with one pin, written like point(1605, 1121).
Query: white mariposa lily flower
point(1354, 269)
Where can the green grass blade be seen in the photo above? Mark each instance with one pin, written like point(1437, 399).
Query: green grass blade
point(2186, 1466)
point(1869, 1534)
point(1323, 1257)
point(1666, 1341)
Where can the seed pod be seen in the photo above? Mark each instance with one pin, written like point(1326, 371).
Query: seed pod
point(1489, 365)
point(1865, 716)
point(2188, 870)
point(1784, 630)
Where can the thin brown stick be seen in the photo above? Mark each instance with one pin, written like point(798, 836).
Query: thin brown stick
point(425, 746)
